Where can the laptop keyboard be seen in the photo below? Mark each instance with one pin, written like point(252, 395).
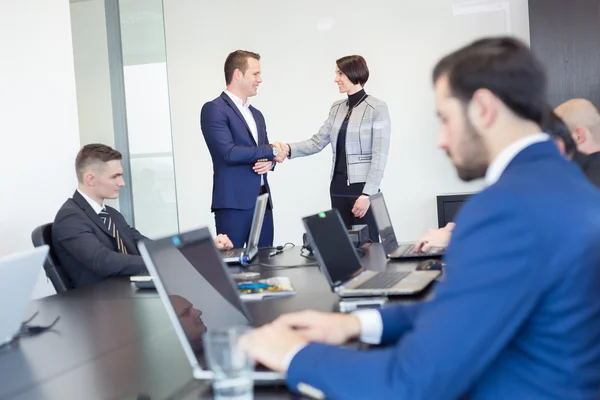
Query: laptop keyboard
point(408, 250)
point(230, 253)
point(383, 280)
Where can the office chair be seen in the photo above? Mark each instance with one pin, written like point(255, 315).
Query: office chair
point(43, 235)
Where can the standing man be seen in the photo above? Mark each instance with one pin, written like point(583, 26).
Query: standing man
point(236, 136)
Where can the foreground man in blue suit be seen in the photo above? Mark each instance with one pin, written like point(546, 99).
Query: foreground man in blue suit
point(517, 315)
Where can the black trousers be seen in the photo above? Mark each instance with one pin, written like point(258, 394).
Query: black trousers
point(343, 197)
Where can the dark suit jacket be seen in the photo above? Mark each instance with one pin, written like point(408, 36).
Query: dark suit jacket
point(86, 249)
point(517, 315)
point(234, 151)
point(590, 164)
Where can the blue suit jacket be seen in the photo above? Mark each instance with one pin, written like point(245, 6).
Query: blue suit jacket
point(517, 315)
point(234, 151)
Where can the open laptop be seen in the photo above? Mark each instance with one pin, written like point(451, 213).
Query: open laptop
point(251, 250)
point(388, 237)
point(18, 276)
point(340, 263)
point(198, 293)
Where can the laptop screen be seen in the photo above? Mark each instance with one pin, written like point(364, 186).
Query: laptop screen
point(257, 221)
point(190, 275)
point(333, 248)
point(384, 223)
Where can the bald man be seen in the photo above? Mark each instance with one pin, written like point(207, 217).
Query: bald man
point(583, 120)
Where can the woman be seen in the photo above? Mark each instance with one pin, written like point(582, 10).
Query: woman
point(358, 129)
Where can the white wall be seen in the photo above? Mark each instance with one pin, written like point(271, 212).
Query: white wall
point(38, 128)
point(299, 43)
point(88, 27)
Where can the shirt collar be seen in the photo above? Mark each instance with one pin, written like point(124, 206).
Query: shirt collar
point(95, 206)
point(502, 160)
point(238, 102)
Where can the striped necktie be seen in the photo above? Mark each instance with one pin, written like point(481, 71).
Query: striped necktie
point(107, 220)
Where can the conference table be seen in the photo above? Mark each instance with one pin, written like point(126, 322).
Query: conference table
point(114, 341)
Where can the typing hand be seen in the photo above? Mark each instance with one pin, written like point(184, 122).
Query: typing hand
point(272, 345)
point(315, 326)
point(434, 238)
point(361, 206)
point(223, 243)
point(262, 167)
point(284, 151)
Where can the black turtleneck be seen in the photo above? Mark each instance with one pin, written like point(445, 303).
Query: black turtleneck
point(341, 169)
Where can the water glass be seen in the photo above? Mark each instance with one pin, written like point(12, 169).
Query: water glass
point(231, 367)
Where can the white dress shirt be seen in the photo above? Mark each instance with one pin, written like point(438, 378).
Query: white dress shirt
point(248, 117)
point(95, 206)
point(497, 167)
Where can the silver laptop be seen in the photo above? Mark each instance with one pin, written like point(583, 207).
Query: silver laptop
point(198, 293)
point(388, 236)
point(18, 276)
point(339, 262)
point(248, 253)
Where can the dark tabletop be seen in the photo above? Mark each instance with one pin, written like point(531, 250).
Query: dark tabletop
point(114, 341)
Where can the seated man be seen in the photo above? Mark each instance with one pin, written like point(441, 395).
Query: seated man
point(93, 241)
point(517, 315)
point(583, 119)
point(561, 135)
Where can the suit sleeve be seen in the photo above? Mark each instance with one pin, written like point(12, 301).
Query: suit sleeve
point(75, 235)
point(215, 128)
point(317, 142)
point(490, 288)
point(136, 235)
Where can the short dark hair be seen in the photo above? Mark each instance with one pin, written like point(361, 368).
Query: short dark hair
point(94, 153)
point(355, 68)
point(503, 65)
point(556, 127)
point(238, 60)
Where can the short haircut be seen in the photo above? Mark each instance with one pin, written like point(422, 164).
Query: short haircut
point(238, 60)
point(556, 127)
point(503, 65)
point(94, 153)
point(355, 68)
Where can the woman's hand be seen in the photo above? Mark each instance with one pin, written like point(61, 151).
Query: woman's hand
point(361, 206)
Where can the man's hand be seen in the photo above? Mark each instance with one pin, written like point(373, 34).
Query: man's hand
point(284, 151)
point(271, 345)
point(262, 167)
point(315, 326)
point(223, 243)
point(435, 238)
point(361, 206)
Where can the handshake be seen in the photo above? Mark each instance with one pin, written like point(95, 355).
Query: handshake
point(284, 151)
point(263, 166)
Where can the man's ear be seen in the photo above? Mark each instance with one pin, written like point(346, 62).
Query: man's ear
point(482, 109)
point(89, 178)
point(237, 74)
point(580, 135)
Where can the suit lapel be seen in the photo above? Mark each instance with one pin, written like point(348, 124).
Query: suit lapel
point(260, 130)
point(85, 206)
point(123, 231)
point(235, 109)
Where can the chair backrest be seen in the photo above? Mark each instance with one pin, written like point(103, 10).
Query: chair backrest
point(43, 235)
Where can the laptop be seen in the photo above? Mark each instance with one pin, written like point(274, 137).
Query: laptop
point(198, 293)
point(18, 276)
point(248, 253)
point(388, 237)
point(340, 263)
